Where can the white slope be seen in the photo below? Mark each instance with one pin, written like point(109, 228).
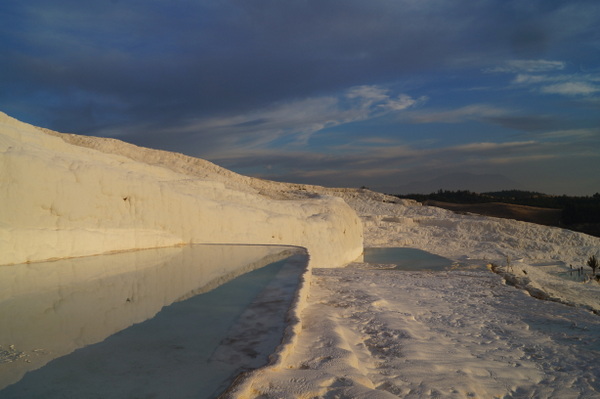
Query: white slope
point(66, 196)
point(531, 250)
point(455, 334)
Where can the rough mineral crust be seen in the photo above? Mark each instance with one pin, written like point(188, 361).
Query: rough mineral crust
point(67, 195)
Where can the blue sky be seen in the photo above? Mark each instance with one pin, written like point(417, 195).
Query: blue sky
point(339, 93)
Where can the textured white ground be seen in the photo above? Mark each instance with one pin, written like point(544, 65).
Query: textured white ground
point(456, 334)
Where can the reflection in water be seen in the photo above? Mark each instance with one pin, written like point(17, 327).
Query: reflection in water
point(50, 309)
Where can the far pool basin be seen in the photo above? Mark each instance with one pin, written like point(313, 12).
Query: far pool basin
point(409, 259)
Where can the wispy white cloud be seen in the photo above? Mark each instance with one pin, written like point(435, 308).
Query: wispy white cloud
point(378, 97)
point(530, 158)
point(298, 120)
point(524, 79)
point(491, 146)
point(545, 77)
point(357, 158)
point(469, 112)
point(380, 163)
point(575, 88)
point(571, 134)
point(528, 66)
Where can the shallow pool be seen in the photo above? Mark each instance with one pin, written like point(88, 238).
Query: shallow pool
point(174, 322)
point(409, 259)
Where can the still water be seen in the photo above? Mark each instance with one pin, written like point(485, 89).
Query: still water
point(171, 322)
point(409, 259)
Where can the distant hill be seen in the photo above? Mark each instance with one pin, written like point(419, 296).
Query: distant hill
point(458, 181)
point(574, 213)
point(532, 214)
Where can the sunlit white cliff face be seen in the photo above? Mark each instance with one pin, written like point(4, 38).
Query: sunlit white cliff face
point(66, 195)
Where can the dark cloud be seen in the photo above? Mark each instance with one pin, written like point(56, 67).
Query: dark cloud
point(388, 169)
point(529, 123)
point(530, 39)
point(186, 58)
point(220, 78)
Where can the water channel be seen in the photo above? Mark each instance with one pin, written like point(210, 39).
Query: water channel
point(171, 322)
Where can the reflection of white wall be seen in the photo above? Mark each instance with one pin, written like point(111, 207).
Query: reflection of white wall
point(61, 200)
point(49, 309)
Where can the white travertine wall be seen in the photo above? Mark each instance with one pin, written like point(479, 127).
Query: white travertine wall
point(60, 200)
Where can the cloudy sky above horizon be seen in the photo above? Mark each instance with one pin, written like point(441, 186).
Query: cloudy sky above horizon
point(339, 93)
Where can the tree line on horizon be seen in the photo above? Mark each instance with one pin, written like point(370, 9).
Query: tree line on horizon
point(574, 209)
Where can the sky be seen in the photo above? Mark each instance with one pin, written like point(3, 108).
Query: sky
point(377, 93)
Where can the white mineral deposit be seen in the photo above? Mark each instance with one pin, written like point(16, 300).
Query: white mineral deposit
point(500, 323)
